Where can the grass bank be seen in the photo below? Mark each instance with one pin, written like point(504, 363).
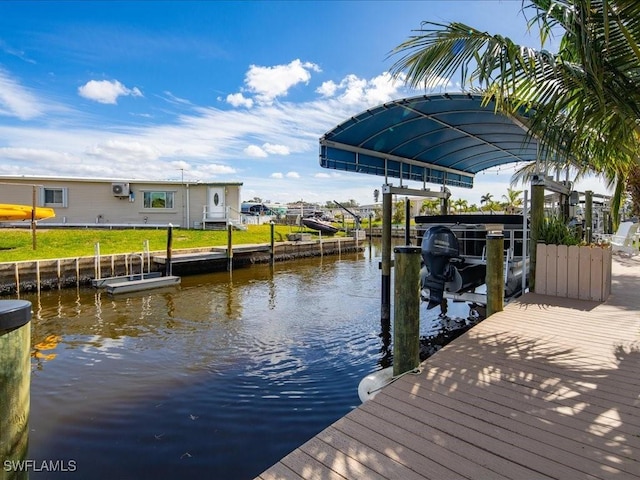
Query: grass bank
point(17, 245)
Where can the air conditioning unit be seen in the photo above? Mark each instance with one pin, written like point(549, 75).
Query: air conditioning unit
point(120, 189)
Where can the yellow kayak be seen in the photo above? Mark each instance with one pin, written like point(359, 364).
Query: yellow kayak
point(12, 213)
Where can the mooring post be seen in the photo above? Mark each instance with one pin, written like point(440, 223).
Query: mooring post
point(407, 221)
point(495, 272)
point(169, 267)
point(385, 307)
point(406, 312)
point(229, 247)
point(33, 215)
point(272, 254)
point(96, 251)
point(15, 378)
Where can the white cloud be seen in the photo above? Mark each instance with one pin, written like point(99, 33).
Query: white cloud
point(269, 83)
point(255, 151)
point(181, 165)
point(129, 148)
point(239, 100)
point(105, 91)
point(331, 175)
point(327, 89)
point(439, 83)
point(354, 90)
point(171, 98)
point(17, 101)
point(229, 144)
point(216, 169)
point(265, 150)
point(276, 149)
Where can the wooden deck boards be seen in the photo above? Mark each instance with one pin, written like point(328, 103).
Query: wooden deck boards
point(548, 388)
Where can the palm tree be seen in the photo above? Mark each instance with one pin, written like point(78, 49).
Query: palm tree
point(430, 206)
point(398, 212)
point(460, 205)
point(583, 102)
point(512, 199)
point(485, 199)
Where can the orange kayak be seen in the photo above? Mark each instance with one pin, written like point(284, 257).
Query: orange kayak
point(12, 213)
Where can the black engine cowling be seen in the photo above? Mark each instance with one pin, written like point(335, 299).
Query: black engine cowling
point(439, 246)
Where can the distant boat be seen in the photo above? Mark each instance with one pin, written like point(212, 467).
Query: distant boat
point(13, 213)
point(320, 225)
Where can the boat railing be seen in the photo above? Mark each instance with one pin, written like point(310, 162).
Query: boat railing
point(132, 256)
point(472, 242)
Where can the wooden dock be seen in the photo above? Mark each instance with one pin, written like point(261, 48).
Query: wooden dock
point(214, 253)
point(548, 388)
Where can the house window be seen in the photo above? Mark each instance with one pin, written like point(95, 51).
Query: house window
point(158, 199)
point(53, 197)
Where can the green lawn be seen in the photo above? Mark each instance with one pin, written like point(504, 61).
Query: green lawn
point(17, 244)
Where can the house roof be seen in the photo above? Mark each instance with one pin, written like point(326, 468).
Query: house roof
point(36, 179)
point(443, 139)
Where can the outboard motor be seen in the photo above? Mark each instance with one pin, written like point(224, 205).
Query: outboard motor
point(439, 246)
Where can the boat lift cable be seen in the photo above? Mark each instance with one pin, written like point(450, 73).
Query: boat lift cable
point(355, 216)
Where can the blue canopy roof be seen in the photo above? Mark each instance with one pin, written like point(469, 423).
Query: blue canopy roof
point(444, 139)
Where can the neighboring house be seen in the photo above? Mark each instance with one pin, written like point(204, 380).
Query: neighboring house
point(122, 203)
point(372, 210)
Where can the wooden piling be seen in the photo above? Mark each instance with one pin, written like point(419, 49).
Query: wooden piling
point(229, 247)
point(272, 250)
point(385, 307)
point(169, 267)
point(17, 277)
point(15, 377)
point(406, 319)
point(407, 221)
point(495, 273)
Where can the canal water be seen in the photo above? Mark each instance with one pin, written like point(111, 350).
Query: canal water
point(219, 378)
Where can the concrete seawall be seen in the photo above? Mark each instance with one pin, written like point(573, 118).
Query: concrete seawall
point(36, 275)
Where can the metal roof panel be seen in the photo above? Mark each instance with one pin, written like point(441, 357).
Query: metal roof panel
point(443, 139)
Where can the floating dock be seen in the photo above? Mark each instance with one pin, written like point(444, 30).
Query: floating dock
point(129, 286)
point(106, 281)
point(546, 389)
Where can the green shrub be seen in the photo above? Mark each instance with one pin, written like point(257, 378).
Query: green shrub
point(553, 231)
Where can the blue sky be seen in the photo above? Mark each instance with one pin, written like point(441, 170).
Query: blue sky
point(212, 90)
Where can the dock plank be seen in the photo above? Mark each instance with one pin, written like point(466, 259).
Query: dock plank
point(547, 388)
point(339, 461)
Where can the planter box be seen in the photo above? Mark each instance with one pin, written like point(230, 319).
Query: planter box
point(573, 272)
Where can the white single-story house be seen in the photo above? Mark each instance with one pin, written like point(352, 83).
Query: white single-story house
point(124, 203)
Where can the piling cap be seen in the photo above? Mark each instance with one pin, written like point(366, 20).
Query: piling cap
point(14, 314)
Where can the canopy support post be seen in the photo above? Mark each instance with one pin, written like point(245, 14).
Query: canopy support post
point(385, 310)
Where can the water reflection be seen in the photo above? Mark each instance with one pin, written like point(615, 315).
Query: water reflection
point(258, 360)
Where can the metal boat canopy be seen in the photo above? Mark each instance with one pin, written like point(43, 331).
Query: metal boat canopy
point(444, 139)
